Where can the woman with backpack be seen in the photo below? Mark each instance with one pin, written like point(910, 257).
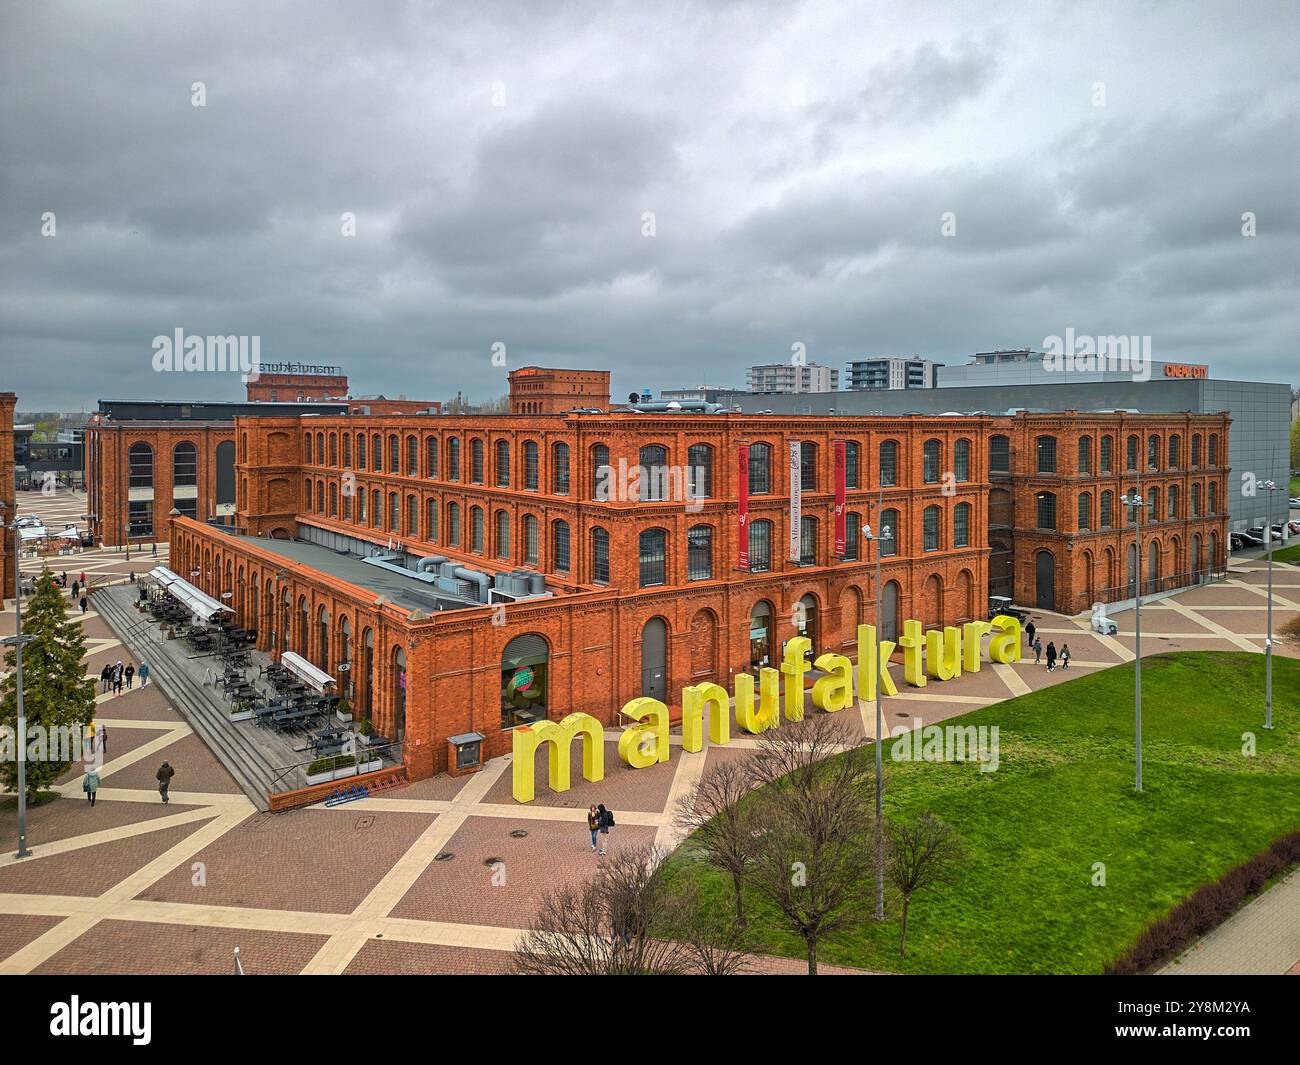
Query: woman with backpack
point(90, 785)
point(606, 819)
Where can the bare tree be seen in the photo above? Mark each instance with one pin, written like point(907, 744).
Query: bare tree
point(714, 939)
point(717, 822)
point(923, 852)
point(604, 926)
point(813, 863)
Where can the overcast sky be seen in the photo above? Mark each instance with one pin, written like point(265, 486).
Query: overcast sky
point(500, 160)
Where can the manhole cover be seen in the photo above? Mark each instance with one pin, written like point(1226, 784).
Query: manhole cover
point(519, 833)
point(365, 822)
point(900, 713)
point(443, 856)
point(491, 861)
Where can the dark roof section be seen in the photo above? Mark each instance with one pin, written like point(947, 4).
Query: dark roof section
point(166, 410)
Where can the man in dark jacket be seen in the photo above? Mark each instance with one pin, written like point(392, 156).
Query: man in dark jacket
point(165, 774)
point(606, 819)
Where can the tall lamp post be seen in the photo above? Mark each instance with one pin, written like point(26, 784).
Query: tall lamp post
point(1270, 487)
point(16, 641)
point(126, 528)
point(1134, 501)
point(885, 534)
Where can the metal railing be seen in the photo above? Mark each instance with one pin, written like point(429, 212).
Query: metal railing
point(294, 777)
point(1154, 585)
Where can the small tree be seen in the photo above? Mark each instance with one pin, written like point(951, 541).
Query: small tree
point(812, 862)
point(923, 852)
point(712, 813)
point(714, 939)
point(57, 695)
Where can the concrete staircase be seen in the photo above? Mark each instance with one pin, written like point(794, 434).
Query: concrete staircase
point(203, 708)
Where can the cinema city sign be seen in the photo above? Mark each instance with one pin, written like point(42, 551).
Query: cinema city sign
point(942, 655)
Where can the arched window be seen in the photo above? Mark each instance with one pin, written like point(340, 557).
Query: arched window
point(1085, 454)
point(476, 461)
point(1046, 510)
point(930, 529)
point(760, 545)
point(889, 462)
point(413, 456)
point(1214, 449)
point(1045, 450)
point(599, 556)
point(412, 516)
point(1173, 500)
point(808, 537)
point(139, 459)
point(961, 525)
point(347, 451)
point(1132, 455)
point(503, 464)
point(320, 497)
point(999, 454)
point(930, 462)
point(503, 534)
point(1107, 448)
point(560, 469)
point(807, 466)
point(1153, 505)
point(1196, 450)
point(852, 464)
point(653, 557)
point(760, 469)
point(334, 500)
point(961, 460)
point(453, 459)
point(852, 535)
point(699, 553)
point(394, 517)
point(453, 524)
point(307, 493)
point(530, 540)
point(1107, 515)
point(431, 521)
point(654, 472)
point(1153, 452)
point(307, 449)
point(531, 466)
point(1196, 501)
point(1214, 496)
point(476, 530)
point(890, 533)
point(376, 452)
point(601, 488)
point(1174, 442)
point(185, 464)
point(699, 471)
point(431, 457)
point(361, 451)
point(524, 680)
point(1085, 510)
point(394, 453)
point(560, 546)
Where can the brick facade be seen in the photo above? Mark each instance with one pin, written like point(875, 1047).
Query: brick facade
point(541, 390)
point(291, 387)
point(602, 622)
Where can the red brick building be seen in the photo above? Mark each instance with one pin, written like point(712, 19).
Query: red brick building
point(291, 382)
point(542, 390)
point(635, 584)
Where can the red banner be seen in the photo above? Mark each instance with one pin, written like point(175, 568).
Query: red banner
point(841, 530)
point(742, 508)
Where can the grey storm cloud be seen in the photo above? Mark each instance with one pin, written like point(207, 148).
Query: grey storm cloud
point(502, 159)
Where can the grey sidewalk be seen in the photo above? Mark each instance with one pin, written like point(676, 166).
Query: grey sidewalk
point(1261, 939)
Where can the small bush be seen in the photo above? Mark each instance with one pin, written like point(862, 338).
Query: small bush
point(330, 763)
point(1205, 909)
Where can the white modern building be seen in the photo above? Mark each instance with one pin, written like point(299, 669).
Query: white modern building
point(892, 372)
point(788, 377)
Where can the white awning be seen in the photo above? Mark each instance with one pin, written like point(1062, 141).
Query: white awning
point(300, 667)
point(200, 603)
point(32, 532)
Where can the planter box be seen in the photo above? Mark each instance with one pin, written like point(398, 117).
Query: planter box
point(374, 765)
point(242, 715)
point(343, 718)
point(319, 778)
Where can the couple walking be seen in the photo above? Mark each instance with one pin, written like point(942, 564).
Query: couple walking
point(599, 822)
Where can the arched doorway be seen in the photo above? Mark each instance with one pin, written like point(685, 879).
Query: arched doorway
point(1045, 580)
point(323, 638)
point(805, 623)
point(889, 612)
point(704, 646)
point(932, 601)
point(1196, 558)
point(760, 635)
point(399, 694)
point(366, 683)
point(524, 669)
point(654, 659)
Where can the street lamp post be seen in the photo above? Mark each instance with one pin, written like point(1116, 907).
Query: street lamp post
point(871, 537)
point(126, 528)
point(16, 641)
point(1270, 487)
point(1134, 501)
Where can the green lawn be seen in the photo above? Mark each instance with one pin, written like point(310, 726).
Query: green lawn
point(1063, 799)
point(1288, 554)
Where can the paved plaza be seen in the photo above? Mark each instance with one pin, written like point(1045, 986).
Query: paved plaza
point(408, 882)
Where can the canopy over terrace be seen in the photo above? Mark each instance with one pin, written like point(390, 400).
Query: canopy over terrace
point(300, 667)
point(199, 603)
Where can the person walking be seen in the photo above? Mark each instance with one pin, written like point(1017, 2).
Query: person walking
point(105, 677)
point(1065, 656)
point(164, 776)
point(90, 785)
point(606, 821)
point(75, 589)
point(130, 673)
point(118, 673)
point(593, 824)
point(1051, 656)
point(83, 580)
point(101, 737)
point(83, 604)
point(1038, 652)
point(144, 673)
point(155, 550)
point(1029, 632)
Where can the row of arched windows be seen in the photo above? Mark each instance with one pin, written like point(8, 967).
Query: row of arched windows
point(140, 465)
point(1170, 456)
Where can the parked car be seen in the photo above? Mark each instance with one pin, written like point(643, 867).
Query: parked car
point(1258, 531)
point(1244, 541)
point(1000, 605)
point(1295, 504)
point(1294, 526)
